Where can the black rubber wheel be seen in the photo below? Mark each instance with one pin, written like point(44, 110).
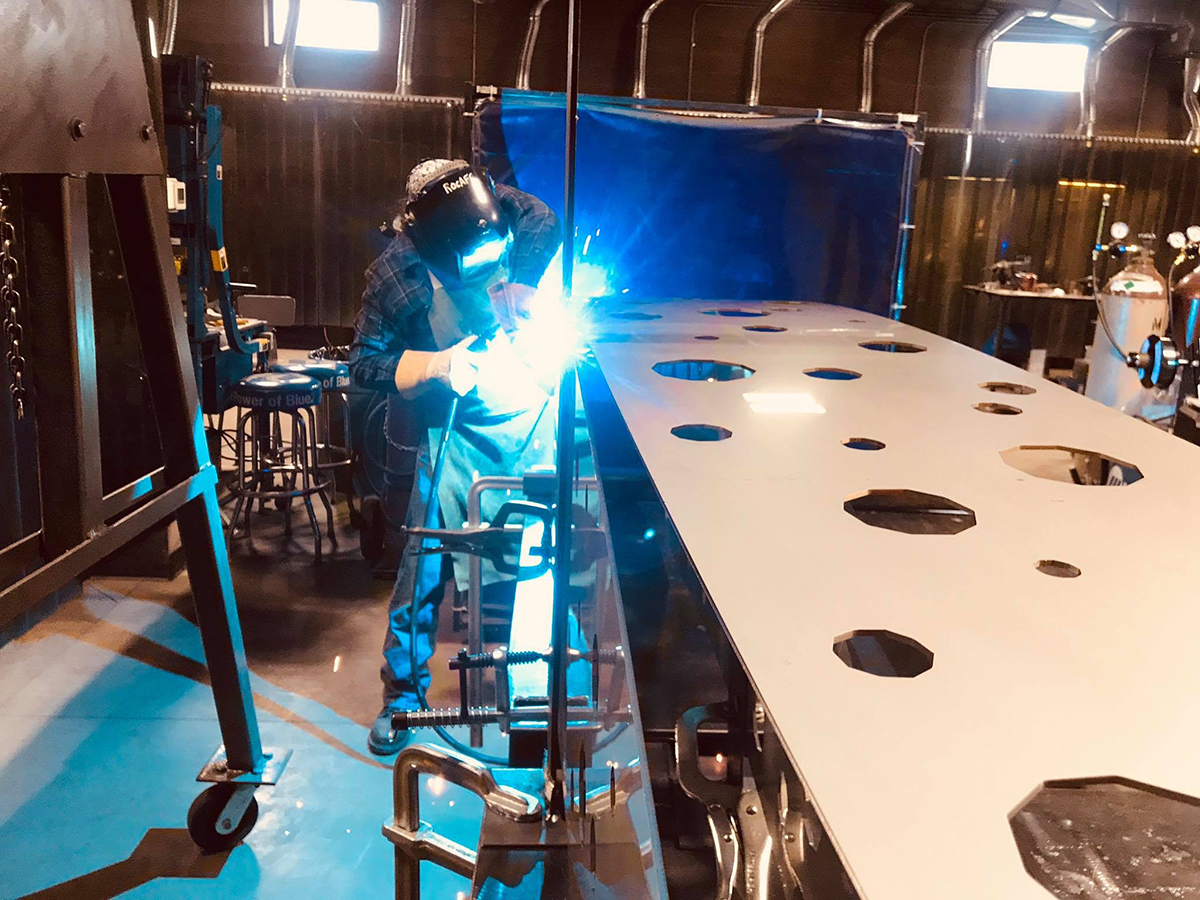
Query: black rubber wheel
point(202, 820)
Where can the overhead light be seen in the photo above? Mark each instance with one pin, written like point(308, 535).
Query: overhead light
point(331, 24)
point(1038, 66)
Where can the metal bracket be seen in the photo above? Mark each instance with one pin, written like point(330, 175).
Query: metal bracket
point(235, 808)
point(217, 769)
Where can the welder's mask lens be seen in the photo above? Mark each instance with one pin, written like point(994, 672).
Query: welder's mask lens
point(458, 226)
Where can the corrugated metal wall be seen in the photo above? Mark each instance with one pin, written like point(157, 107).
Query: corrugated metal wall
point(982, 198)
point(308, 178)
point(306, 181)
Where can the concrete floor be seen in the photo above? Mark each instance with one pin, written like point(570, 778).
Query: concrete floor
point(106, 717)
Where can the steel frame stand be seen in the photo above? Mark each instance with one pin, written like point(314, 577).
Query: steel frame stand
point(80, 523)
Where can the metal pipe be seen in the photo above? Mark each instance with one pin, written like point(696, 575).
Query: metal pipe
point(1003, 23)
point(1091, 77)
point(412, 841)
point(639, 82)
point(893, 12)
point(404, 51)
point(1191, 96)
point(170, 22)
point(287, 61)
point(760, 34)
point(531, 36)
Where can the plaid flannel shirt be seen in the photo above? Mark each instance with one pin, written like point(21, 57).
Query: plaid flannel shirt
point(393, 317)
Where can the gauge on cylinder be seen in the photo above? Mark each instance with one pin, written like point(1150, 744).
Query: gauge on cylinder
point(1193, 234)
point(1177, 240)
point(1158, 359)
point(1119, 231)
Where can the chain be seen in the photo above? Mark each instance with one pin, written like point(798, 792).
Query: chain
point(10, 301)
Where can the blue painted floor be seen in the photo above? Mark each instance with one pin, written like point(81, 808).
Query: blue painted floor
point(106, 717)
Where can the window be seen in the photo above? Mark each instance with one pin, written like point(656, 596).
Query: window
point(1038, 66)
point(331, 24)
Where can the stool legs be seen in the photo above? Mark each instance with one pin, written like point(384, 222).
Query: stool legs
point(297, 468)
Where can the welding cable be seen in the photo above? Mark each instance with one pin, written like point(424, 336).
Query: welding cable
point(432, 516)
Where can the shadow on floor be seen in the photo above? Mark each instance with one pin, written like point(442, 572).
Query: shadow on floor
point(162, 853)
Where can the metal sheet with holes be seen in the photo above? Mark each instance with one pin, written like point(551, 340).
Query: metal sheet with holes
point(1033, 678)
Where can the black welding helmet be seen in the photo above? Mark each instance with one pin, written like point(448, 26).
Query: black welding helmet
point(455, 221)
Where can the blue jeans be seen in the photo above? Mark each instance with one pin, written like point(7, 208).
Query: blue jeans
point(399, 688)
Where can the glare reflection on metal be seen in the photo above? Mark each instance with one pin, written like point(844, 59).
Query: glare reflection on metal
point(784, 402)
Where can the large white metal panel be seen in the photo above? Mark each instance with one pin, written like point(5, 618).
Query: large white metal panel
point(1034, 677)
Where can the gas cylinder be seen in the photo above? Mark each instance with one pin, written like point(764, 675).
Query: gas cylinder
point(1134, 304)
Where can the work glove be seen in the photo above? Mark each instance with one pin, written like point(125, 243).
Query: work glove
point(455, 368)
point(510, 303)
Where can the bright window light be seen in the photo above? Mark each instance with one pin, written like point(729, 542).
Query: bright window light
point(331, 24)
point(1038, 66)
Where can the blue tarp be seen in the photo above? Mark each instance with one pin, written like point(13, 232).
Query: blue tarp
point(683, 205)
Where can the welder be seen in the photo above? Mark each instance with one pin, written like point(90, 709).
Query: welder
point(459, 272)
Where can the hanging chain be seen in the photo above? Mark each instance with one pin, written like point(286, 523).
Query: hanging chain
point(10, 301)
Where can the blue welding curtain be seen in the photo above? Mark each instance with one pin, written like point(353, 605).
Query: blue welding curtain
point(771, 208)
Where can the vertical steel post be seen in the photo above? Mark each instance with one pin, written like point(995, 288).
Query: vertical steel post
point(139, 210)
point(556, 762)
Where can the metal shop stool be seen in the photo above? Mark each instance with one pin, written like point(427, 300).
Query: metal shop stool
point(277, 470)
point(334, 378)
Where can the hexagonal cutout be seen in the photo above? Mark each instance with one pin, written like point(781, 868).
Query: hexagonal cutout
point(883, 653)
point(999, 409)
point(735, 313)
point(1007, 387)
point(910, 512)
point(635, 316)
point(1109, 837)
point(702, 370)
point(1056, 568)
point(1071, 465)
point(892, 347)
point(702, 432)
point(765, 329)
point(861, 443)
point(833, 374)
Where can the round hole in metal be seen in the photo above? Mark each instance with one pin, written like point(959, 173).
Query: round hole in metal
point(1071, 465)
point(1146, 836)
point(998, 409)
point(1058, 568)
point(635, 316)
point(1007, 387)
point(735, 313)
point(883, 653)
point(770, 329)
point(861, 443)
point(892, 347)
point(699, 432)
point(910, 512)
point(706, 337)
point(702, 370)
point(833, 374)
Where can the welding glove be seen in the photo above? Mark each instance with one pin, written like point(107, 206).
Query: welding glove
point(454, 367)
point(510, 303)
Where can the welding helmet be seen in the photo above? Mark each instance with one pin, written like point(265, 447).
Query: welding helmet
point(455, 221)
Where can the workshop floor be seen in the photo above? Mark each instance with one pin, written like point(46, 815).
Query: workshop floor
point(106, 717)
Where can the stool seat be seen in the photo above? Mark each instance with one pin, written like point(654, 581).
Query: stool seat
point(333, 375)
point(282, 391)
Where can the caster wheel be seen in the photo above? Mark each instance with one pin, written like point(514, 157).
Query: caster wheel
point(202, 820)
